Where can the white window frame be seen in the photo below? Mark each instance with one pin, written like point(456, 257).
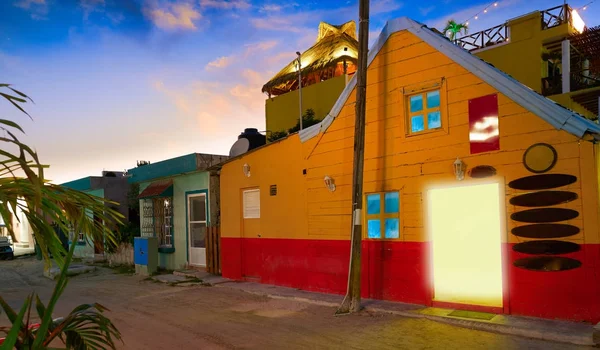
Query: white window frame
point(245, 212)
point(189, 212)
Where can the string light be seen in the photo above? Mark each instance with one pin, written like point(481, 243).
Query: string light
point(584, 7)
point(485, 10)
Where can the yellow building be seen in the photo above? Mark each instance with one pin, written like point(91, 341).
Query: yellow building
point(533, 49)
point(479, 193)
point(324, 72)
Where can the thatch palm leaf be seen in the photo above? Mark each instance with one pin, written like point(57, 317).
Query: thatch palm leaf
point(453, 28)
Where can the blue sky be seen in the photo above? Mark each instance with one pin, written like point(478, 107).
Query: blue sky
point(115, 81)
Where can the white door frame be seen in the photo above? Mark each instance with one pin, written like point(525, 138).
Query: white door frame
point(189, 231)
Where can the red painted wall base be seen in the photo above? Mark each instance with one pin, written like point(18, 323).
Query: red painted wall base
point(399, 271)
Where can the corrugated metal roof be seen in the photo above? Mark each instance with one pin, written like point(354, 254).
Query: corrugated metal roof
point(558, 116)
point(160, 188)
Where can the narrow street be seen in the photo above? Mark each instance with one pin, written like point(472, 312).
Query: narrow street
point(152, 315)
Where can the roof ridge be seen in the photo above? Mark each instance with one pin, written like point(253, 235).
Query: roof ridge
point(558, 116)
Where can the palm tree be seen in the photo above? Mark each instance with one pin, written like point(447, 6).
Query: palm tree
point(23, 186)
point(453, 28)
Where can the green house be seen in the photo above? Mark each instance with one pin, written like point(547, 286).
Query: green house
point(179, 199)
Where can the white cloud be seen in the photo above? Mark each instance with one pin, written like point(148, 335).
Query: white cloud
point(270, 8)
point(37, 8)
point(384, 6)
point(226, 5)
point(174, 16)
point(90, 6)
point(426, 10)
point(259, 47)
point(220, 62)
point(283, 23)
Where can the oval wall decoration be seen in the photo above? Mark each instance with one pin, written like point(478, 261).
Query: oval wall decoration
point(545, 231)
point(546, 247)
point(544, 215)
point(543, 198)
point(542, 182)
point(547, 263)
point(540, 158)
point(482, 171)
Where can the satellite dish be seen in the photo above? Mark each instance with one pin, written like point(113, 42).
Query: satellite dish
point(240, 146)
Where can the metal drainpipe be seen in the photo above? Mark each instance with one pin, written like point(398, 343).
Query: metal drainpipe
point(300, 86)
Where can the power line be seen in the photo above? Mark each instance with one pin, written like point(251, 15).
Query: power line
point(485, 10)
point(584, 7)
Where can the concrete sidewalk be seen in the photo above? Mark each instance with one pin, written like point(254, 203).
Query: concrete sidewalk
point(551, 330)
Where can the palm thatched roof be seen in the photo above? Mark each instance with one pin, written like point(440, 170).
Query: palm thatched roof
point(335, 44)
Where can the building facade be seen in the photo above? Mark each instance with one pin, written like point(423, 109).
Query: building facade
point(478, 192)
point(551, 51)
point(111, 186)
point(179, 199)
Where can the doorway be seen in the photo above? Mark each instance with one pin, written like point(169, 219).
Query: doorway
point(196, 205)
point(466, 233)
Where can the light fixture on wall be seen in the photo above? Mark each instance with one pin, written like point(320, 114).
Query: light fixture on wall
point(459, 169)
point(329, 183)
point(246, 170)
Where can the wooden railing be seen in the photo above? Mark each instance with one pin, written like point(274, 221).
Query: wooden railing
point(484, 38)
point(555, 16)
point(496, 35)
point(579, 81)
point(213, 250)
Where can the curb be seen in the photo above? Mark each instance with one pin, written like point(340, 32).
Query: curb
point(590, 340)
point(496, 328)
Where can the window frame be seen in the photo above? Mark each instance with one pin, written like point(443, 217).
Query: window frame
point(382, 216)
point(257, 190)
point(423, 88)
point(424, 111)
point(189, 216)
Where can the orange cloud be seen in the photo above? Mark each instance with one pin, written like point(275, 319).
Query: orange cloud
point(174, 16)
point(220, 62)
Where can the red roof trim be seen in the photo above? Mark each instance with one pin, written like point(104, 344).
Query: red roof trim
point(156, 188)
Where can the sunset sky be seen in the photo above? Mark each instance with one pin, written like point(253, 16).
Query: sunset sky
point(115, 81)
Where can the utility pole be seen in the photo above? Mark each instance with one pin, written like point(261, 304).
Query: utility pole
point(300, 85)
point(351, 302)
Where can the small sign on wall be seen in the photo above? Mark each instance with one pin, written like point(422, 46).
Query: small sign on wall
point(484, 134)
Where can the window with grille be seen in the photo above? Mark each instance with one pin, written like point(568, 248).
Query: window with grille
point(424, 111)
point(157, 220)
point(383, 215)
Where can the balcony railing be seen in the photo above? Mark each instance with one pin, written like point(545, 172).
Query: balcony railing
point(485, 38)
point(555, 16)
point(550, 18)
point(579, 81)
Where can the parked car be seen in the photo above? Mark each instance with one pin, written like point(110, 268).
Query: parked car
point(6, 251)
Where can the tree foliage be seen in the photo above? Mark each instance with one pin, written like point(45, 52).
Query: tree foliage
point(47, 206)
point(453, 28)
point(308, 119)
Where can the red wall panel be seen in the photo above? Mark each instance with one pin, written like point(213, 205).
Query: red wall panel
point(399, 271)
point(571, 294)
point(484, 135)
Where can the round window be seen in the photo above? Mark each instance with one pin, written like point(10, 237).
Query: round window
point(540, 158)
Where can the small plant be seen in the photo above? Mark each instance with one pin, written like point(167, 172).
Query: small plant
point(308, 119)
point(83, 328)
point(453, 28)
point(276, 135)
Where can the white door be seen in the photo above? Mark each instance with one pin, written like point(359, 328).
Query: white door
point(197, 229)
point(465, 224)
